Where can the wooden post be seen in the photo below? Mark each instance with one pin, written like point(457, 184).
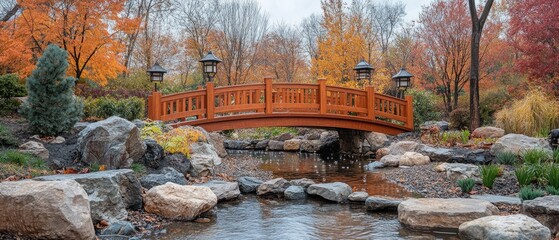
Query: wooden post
point(409, 113)
point(154, 106)
point(210, 101)
point(370, 102)
point(268, 92)
point(322, 95)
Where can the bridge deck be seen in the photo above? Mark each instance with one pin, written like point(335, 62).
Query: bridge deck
point(284, 104)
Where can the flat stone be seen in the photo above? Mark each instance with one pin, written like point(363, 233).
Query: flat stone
point(295, 193)
point(275, 145)
point(167, 174)
point(336, 191)
point(442, 214)
point(275, 186)
point(292, 145)
point(358, 196)
point(179, 202)
point(496, 199)
point(382, 203)
point(223, 190)
point(545, 210)
point(517, 227)
point(236, 144)
point(456, 171)
point(248, 184)
point(310, 145)
point(261, 145)
point(391, 160)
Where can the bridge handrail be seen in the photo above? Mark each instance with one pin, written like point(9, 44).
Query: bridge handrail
point(270, 98)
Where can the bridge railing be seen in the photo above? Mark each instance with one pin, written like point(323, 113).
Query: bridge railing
point(270, 98)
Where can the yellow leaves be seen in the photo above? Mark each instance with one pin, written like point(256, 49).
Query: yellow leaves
point(177, 140)
point(102, 168)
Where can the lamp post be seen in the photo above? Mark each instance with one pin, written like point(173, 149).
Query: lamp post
point(156, 73)
point(209, 65)
point(363, 71)
point(402, 80)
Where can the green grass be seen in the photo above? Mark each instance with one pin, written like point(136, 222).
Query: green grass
point(535, 156)
point(6, 138)
point(551, 190)
point(506, 158)
point(552, 175)
point(488, 174)
point(524, 175)
point(21, 159)
point(262, 133)
point(466, 184)
point(555, 155)
point(465, 136)
point(529, 193)
point(138, 168)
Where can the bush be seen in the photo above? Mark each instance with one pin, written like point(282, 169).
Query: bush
point(530, 193)
point(551, 190)
point(424, 107)
point(490, 103)
point(51, 108)
point(466, 184)
point(21, 159)
point(460, 118)
point(552, 175)
point(177, 140)
point(451, 138)
point(531, 115)
point(104, 107)
point(10, 88)
point(524, 175)
point(488, 174)
point(535, 156)
point(6, 138)
point(506, 158)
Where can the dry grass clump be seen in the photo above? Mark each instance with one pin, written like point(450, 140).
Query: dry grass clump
point(534, 115)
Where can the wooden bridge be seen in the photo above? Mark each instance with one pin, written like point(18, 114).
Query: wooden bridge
point(284, 104)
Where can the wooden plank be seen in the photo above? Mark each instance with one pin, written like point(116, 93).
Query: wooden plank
point(268, 92)
point(322, 95)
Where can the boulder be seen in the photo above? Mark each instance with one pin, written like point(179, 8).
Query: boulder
point(34, 148)
point(292, 145)
point(442, 214)
point(496, 199)
point(376, 140)
point(442, 125)
point(154, 154)
point(295, 193)
point(58, 140)
point(382, 203)
point(110, 193)
point(261, 145)
point(488, 132)
point(284, 137)
point(456, 171)
point(203, 158)
point(139, 123)
point(217, 140)
point(167, 174)
point(517, 227)
point(413, 159)
point(310, 145)
point(374, 165)
point(274, 145)
point(236, 144)
point(248, 184)
point(114, 142)
point(275, 186)
point(545, 210)
point(45, 210)
point(402, 147)
point(179, 202)
point(178, 161)
point(358, 196)
point(302, 182)
point(336, 191)
point(518, 143)
point(330, 143)
point(223, 190)
point(79, 126)
point(312, 136)
point(454, 155)
point(381, 152)
point(390, 160)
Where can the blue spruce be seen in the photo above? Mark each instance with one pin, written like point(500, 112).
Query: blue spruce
point(51, 107)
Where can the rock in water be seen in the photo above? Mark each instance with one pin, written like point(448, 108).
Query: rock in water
point(545, 210)
point(203, 158)
point(275, 186)
point(381, 203)
point(168, 174)
point(438, 213)
point(223, 190)
point(110, 193)
point(295, 192)
point(336, 191)
point(248, 184)
point(179, 202)
point(292, 145)
point(358, 196)
point(390, 160)
point(517, 227)
point(302, 182)
point(275, 145)
point(45, 210)
point(113, 142)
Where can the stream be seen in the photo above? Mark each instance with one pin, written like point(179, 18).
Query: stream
point(251, 217)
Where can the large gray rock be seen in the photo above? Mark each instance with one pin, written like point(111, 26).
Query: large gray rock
point(292, 145)
point(295, 193)
point(114, 142)
point(261, 145)
point(179, 202)
point(330, 143)
point(438, 213)
point(336, 191)
point(302, 182)
point(358, 196)
point(178, 161)
point(284, 137)
point(518, 143)
point(545, 210)
point(167, 174)
point(34, 148)
point(488, 132)
point(496, 199)
point(381, 203)
point(154, 154)
point(223, 190)
point(123, 228)
point(274, 145)
point(45, 210)
point(275, 186)
point(442, 125)
point(513, 227)
point(454, 155)
point(310, 145)
point(402, 147)
point(203, 158)
point(413, 159)
point(217, 140)
point(376, 140)
point(456, 171)
point(390, 160)
point(248, 184)
point(236, 144)
point(110, 193)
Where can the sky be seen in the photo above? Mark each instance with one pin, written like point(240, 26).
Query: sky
point(293, 11)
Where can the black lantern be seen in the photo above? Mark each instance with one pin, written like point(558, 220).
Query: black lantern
point(156, 73)
point(209, 65)
point(403, 80)
point(363, 71)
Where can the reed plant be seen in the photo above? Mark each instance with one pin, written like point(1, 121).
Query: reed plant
point(488, 174)
point(535, 156)
point(524, 175)
point(530, 193)
point(466, 184)
point(506, 158)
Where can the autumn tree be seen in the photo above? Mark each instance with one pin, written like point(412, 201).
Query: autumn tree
point(282, 52)
point(313, 32)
